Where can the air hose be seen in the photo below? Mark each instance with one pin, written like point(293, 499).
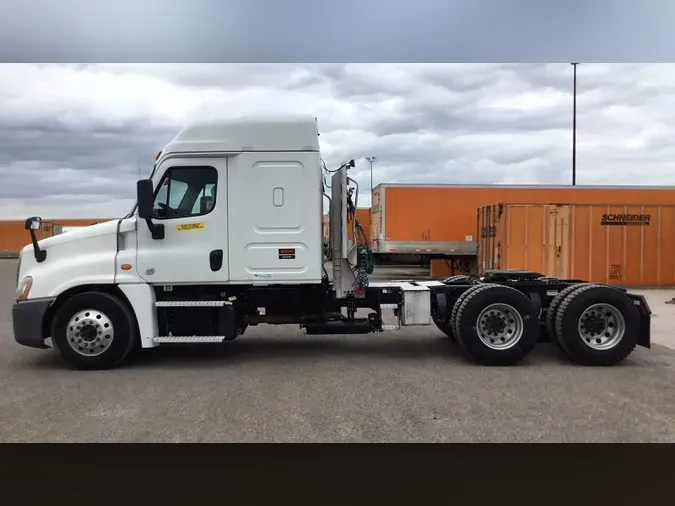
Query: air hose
point(365, 253)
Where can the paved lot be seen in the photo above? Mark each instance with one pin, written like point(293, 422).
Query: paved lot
point(278, 385)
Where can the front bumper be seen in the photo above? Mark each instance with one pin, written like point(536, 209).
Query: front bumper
point(27, 317)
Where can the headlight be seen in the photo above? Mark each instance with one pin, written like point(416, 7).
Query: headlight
point(23, 288)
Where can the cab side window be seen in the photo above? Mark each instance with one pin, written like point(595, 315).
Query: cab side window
point(185, 192)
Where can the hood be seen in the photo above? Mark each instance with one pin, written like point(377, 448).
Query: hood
point(105, 228)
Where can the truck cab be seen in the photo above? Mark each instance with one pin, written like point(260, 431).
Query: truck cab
point(226, 232)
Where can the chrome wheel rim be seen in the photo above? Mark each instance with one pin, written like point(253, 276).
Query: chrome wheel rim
point(90, 332)
point(601, 326)
point(499, 326)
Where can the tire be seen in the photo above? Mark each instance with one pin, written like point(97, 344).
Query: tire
point(445, 327)
point(455, 308)
point(512, 314)
point(598, 306)
point(460, 279)
point(552, 311)
point(88, 347)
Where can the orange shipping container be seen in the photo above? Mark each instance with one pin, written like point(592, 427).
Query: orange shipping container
point(440, 268)
point(363, 217)
point(623, 245)
point(442, 218)
point(13, 235)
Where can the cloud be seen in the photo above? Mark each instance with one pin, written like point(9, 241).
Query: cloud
point(74, 137)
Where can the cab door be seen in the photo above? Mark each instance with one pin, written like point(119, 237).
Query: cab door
point(191, 203)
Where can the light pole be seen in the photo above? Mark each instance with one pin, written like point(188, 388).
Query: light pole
point(371, 159)
point(574, 128)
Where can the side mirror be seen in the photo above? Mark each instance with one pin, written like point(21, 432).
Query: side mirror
point(145, 196)
point(33, 223)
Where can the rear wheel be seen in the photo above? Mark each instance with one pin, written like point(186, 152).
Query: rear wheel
point(459, 279)
point(497, 325)
point(444, 327)
point(447, 326)
point(456, 306)
point(552, 310)
point(597, 325)
point(94, 330)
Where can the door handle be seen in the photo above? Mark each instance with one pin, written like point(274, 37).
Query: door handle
point(216, 259)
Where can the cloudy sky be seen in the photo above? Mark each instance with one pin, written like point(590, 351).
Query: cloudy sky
point(74, 137)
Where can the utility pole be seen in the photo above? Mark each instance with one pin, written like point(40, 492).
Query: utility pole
point(371, 159)
point(574, 128)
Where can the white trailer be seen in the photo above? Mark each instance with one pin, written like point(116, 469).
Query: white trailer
point(227, 233)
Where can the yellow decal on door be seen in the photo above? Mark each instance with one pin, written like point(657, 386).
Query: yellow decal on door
point(189, 226)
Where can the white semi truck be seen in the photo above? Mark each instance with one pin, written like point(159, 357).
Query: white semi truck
point(227, 233)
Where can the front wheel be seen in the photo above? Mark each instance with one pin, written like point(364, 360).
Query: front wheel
point(94, 330)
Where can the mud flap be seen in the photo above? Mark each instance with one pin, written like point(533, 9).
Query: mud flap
point(645, 337)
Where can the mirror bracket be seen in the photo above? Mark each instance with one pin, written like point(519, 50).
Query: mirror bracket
point(157, 230)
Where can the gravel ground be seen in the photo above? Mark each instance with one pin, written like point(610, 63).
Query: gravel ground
point(275, 384)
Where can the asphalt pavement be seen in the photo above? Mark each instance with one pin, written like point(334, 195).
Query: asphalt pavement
point(275, 384)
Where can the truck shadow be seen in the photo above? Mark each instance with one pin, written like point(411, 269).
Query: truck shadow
point(308, 350)
point(431, 350)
